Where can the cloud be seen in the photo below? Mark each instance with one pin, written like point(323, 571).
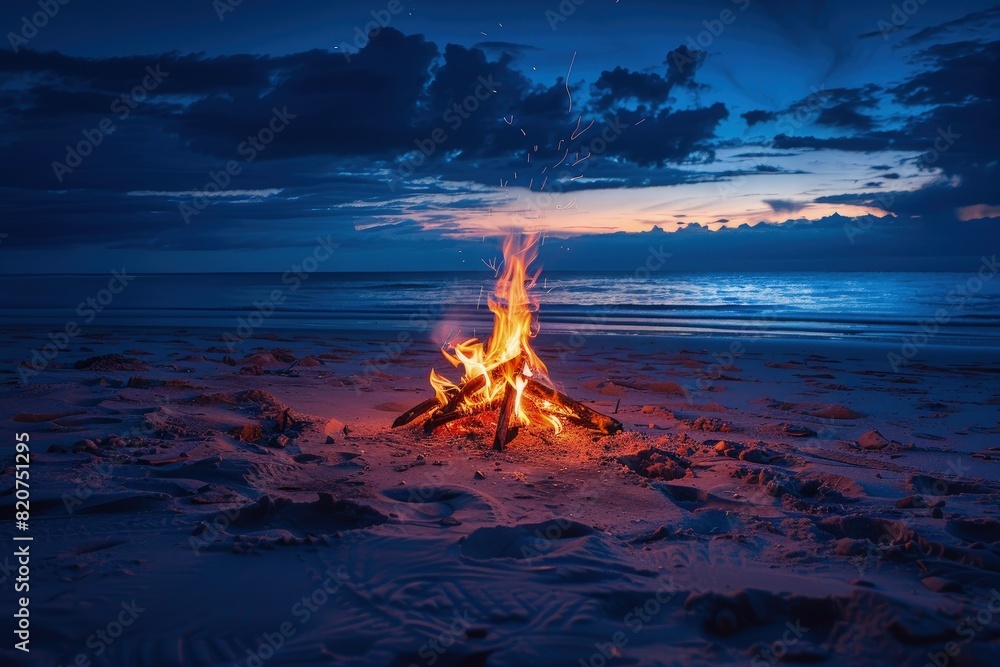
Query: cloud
point(985, 22)
point(863, 144)
point(785, 205)
point(682, 64)
point(956, 73)
point(840, 108)
point(758, 116)
point(672, 136)
point(621, 85)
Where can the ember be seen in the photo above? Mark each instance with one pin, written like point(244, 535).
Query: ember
point(504, 374)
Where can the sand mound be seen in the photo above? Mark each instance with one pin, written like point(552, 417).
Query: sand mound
point(524, 541)
point(656, 463)
point(821, 410)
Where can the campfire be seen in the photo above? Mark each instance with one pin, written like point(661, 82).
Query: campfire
point(505, 375)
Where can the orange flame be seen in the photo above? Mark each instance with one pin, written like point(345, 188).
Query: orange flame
point(507, 358)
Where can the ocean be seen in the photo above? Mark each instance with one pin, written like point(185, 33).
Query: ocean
point(950, 308)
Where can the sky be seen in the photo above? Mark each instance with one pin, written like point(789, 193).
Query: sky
point(728, 134)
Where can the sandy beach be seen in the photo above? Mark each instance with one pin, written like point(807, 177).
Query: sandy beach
point(770, 501)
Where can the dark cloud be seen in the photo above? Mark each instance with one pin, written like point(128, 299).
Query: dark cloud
point(621, 85)
point(862, 144)
point(986, 22)
point(758, 116)
point(958, 133)
point(784, 205)
point(956, 73)
point(839, 108)
point(682, 64)
point(673, 136)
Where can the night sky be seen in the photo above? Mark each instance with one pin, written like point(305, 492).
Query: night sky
point(739, 134)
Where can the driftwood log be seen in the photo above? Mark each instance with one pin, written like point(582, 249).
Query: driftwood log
point(416, 411)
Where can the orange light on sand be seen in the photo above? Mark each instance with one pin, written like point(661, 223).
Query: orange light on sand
point(507, 358)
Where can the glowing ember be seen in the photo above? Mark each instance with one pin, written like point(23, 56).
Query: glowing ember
point(505, 373)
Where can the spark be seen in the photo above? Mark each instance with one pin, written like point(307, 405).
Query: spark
point(522, 130)
point(530, 182)
point(568, 93)
point(480, 298)
point(580, 160)
point(494, 267)
point(483, 33)
point(544, 182)
point(509, 122)
point(576, 177)
point(580, 132)
point(560, 145)
point(569, 205)
point(640, 122)
point(563, 158)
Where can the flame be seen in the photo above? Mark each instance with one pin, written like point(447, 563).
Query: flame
point(507, 358)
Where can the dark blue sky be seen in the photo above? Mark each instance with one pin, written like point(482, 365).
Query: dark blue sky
point(211, 136)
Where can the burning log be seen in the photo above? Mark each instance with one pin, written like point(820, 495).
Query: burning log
point(434, 405)
point(468, 389)
point(574, 410)
point(442, 418)
point(505, 430)
point(416, 411)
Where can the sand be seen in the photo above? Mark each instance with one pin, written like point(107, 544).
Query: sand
point(792, 502)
